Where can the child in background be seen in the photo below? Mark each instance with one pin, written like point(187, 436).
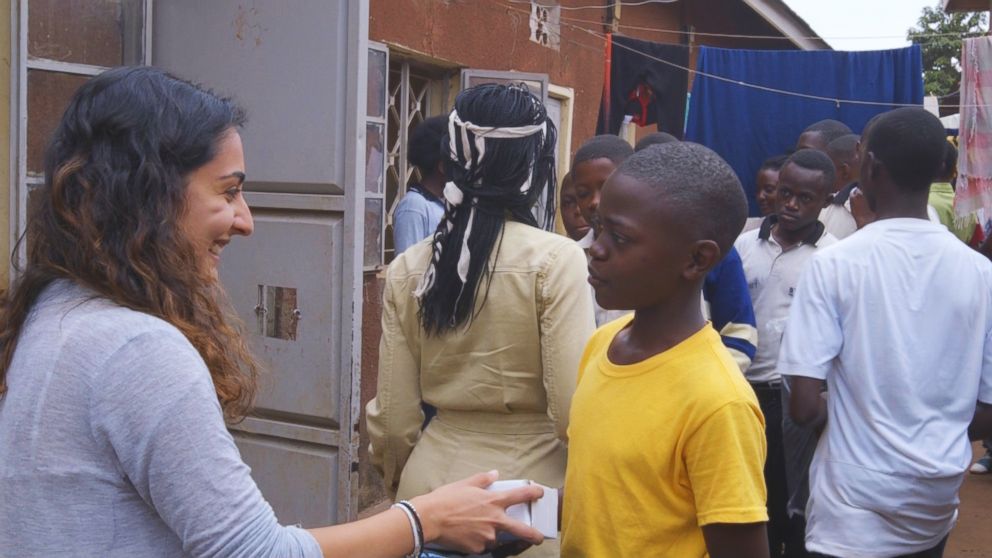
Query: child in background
point(598, 157)
point(666, 437)
point(766, 182)
point(575, 226)
point(421, 208)
point(836, 217)
point(942, 197)
point(773, 258)
point(818, 135)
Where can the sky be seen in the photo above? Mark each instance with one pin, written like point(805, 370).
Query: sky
point(835, 19)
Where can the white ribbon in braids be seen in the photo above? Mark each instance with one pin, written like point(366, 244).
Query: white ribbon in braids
point(458, 136)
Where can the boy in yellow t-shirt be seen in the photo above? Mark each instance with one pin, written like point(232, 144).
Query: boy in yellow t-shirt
point(666, 440)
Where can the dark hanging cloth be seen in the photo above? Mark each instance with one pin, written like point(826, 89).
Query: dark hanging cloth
point(652, 92)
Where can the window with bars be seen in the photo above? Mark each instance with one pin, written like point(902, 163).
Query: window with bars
point(409, 105)
point(413, 92)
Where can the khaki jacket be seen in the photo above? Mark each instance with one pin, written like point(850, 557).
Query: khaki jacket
point(502, 386)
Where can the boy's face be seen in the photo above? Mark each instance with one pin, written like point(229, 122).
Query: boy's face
point(575, 226)
point(588, 178)
point(801, 195)
point(639, 258)
point(767, 183)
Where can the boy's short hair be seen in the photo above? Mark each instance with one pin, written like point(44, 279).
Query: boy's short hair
point(829, 129)
point(425, 144)
point(774, 163)
point(909, 142)
point(844, 148)
point(815, 160)
point(698, 184)
point(605, 146)
point(656, 138)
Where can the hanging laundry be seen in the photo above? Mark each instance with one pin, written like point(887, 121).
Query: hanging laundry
point(746, 125)
point(637, 85)
point(974, 184)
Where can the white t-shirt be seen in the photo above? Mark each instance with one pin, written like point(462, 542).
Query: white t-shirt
point(897, 320)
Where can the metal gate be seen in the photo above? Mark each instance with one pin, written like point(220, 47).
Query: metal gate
point(296, 283)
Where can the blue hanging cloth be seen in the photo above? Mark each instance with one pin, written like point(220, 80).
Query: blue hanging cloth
point(746, 125)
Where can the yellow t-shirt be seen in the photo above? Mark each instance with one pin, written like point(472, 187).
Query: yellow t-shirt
point(659, 448)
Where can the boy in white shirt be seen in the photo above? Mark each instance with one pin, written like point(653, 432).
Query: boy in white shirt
point(909, 382)
point(836, 217)
point(773, 257)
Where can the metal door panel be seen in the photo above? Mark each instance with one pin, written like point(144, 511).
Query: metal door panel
point(308, 468)
point(296, 282)
point(300, 251)
point(285, 64)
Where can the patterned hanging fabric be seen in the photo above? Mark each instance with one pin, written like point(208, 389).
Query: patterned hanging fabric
point(974, 184)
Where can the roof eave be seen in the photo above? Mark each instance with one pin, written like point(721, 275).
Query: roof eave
point(967, 5)
point(781, 17)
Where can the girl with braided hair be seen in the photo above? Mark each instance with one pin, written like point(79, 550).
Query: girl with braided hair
point(486, 321)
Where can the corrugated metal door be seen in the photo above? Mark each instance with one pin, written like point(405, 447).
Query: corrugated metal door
point(296, 283)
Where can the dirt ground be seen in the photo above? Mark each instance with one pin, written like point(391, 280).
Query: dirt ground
point(972, 538)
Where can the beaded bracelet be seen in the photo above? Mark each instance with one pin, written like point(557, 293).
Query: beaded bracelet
point(416, 518)
point(418, 538)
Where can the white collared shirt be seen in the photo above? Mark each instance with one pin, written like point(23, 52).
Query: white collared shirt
point(772, 275)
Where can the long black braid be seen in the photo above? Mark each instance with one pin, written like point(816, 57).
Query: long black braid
point(493, 187)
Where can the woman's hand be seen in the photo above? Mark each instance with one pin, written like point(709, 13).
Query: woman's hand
point(465, 516)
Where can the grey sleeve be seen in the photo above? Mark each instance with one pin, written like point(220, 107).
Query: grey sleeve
point(155, 404)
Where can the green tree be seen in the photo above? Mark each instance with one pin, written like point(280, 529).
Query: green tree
point(939, 35)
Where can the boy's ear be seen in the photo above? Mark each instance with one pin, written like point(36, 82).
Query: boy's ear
point(704, 256)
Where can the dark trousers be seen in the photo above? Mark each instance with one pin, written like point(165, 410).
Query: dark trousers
point(795, 540)
point(770, 401)
point(935, 552)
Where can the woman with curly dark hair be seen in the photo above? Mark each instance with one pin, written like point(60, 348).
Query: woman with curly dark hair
point(119, 363)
